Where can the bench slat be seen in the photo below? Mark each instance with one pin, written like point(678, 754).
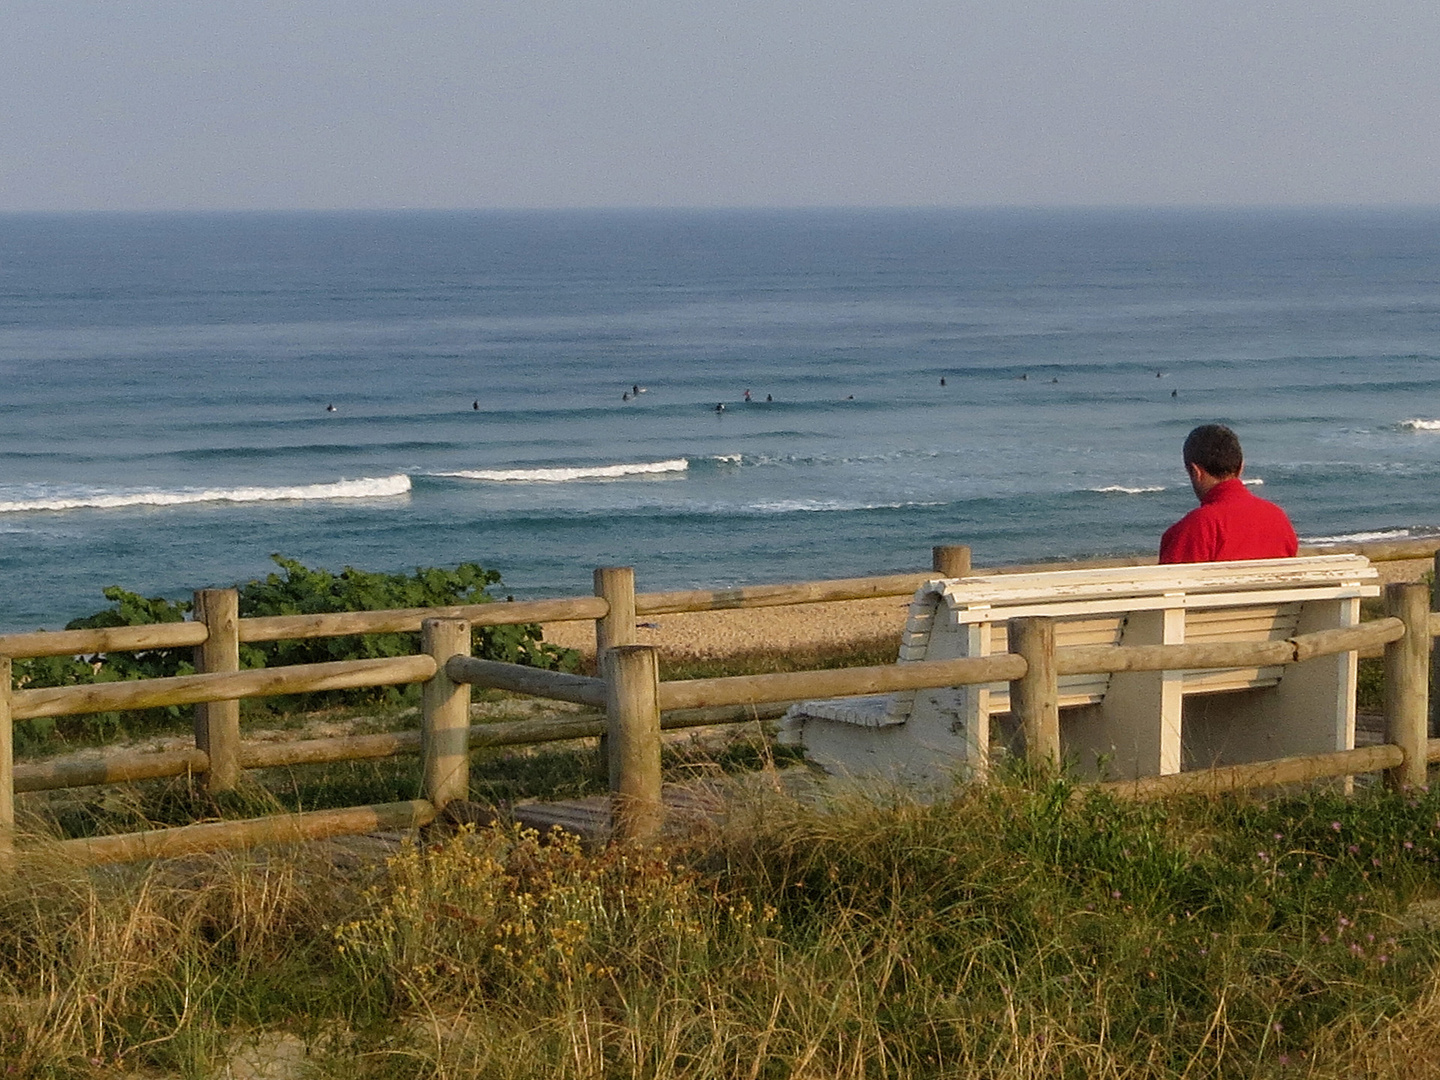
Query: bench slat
point(1059, 609)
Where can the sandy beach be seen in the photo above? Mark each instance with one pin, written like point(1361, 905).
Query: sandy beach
point(749, 631)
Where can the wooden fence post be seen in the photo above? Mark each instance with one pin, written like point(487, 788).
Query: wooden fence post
point(1435, 653)
point(217, 723)
point(950, 560)
point(1035, 696)
point(632, 707)
point(445, 716)
point(616, 586)
point(7, 763)
point(1407, 678)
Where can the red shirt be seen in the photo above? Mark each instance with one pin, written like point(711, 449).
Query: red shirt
point(1229, 524)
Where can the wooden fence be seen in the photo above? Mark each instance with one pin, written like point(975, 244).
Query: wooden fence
point(636, 706)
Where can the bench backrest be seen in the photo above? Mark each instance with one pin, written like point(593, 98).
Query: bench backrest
point(1259, 600)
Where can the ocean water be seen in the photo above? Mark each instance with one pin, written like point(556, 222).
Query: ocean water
point(182, 395)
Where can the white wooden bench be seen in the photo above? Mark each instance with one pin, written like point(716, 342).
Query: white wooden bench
point(1122, 725)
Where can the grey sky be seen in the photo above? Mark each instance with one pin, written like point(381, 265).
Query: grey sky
point(305, 104)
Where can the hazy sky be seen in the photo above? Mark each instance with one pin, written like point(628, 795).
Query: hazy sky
point(179, 104)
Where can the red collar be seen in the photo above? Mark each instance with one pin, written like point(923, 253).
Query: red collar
point(1225, 489)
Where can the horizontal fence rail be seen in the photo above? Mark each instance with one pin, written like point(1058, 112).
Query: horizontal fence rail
point(756, 596)
point(839, 682)
point(155, 765)
point(1230, 778)
point(276, 829)
point(408, 620)
point(111, 639)
point(194, 689)
point(577, 689)
point(1099, 659)
point(113, 769)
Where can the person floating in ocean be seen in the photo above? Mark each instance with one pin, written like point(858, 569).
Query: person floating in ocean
point(635, 389)
point(769, 398)
point(942, 380)
point(329, 408)
point(625, 396)
point(475, 405)
point(720, 407)
point(747, 393)
point(1174, 393)
point(1230, 523)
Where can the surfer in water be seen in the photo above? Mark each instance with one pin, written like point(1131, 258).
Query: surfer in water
point(720, 407)
point(329, 408)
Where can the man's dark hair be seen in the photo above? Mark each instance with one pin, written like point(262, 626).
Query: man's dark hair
point(1215, 449)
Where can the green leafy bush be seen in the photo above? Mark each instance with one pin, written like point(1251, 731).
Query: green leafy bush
point(128, 609)
point(300, 590)
point(296, 590)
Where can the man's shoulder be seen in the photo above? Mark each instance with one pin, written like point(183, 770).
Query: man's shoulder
point(1193, 538)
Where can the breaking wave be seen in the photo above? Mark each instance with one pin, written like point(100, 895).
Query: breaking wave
point(1121, 489)
point(566, 474)
point(1359, 537)
point(1420, 425)
point(825, 506)
point(367, 488)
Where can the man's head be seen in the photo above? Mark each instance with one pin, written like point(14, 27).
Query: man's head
point(1212, 454)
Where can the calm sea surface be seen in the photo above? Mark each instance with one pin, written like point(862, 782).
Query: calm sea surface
point(165, 419)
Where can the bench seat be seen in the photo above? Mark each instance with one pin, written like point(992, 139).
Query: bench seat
point(930, 733)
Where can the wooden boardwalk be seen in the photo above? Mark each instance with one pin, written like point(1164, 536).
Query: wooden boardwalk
point(688, 808)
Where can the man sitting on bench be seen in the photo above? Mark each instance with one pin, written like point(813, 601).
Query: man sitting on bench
point(1230, 523)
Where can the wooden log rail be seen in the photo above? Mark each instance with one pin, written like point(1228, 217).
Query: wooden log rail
point(1007, 667)
point(192, 689)
point(577, 689)
point(280, 627)
point(124, 768)
point(219, 835)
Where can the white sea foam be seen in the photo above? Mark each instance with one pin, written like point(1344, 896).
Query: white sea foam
point(1253, 482)
point(820, 506)
point(1121, 489)
point(366, 488)
point(565, 474)
point(1420, 425)
point(1359, 537)
point(726, 459)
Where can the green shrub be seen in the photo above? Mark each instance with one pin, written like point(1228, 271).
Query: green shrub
point(297, 590)
point(129, 609)
point(300, 590)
